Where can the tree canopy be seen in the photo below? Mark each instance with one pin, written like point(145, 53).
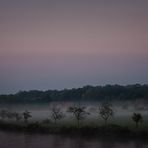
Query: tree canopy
point(89, 93)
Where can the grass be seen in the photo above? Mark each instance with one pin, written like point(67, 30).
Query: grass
point(112, 130)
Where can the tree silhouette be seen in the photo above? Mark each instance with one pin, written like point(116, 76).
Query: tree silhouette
point(137, 118)
point(17, 116)
point(78, 112)
point(3, 114)
point(56, 114)
point(26, 116)
point(106, 111)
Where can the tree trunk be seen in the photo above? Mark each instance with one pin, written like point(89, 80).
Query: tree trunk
point(105, 122)
point(26, 120)
point(78, 123)
point(55, 122)
point(137, 125)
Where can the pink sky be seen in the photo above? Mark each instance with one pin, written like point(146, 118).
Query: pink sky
point(72, 45)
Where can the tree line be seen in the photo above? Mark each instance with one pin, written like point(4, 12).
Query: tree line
point(5, 114)
point(86, 93)
point(105, 111)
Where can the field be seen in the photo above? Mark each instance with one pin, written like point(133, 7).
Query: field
point(122, 114)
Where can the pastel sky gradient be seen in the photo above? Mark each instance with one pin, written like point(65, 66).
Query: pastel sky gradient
point(57, 44)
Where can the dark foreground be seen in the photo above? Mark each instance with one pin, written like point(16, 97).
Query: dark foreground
point(28, 140)
point(110, 131)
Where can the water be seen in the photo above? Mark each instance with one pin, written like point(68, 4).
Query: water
point(22, 140)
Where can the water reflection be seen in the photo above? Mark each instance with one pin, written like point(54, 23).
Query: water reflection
point(138, 144)
point(19, 140)
point(107, 144)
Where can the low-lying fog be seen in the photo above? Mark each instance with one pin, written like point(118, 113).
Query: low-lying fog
point(42, 111)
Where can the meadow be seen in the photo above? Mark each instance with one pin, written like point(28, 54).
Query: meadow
point(41, 119)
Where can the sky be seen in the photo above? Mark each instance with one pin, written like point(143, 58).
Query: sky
point(57, 44)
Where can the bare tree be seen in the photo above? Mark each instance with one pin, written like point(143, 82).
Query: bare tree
point(78, 112)
point(137, 118)
point(3, 114)
point(56, 114)
point(17, 116)
point(26, 116)
point(106, 111)
point(9, 115)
